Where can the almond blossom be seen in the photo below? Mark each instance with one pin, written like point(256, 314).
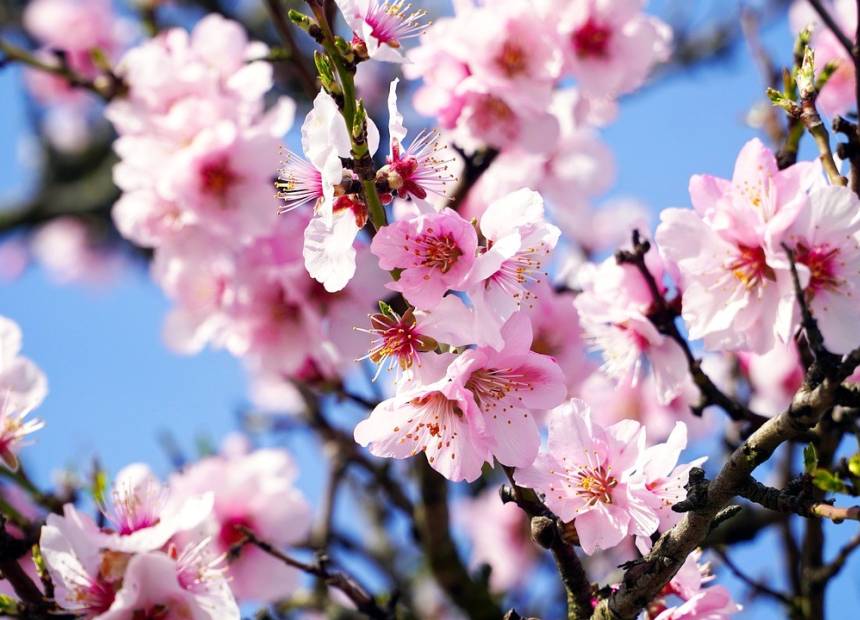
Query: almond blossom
point(610, 45)
point(252, 489)
point(519, 242)
point(382, 25)
point(614, 307)
point(417, 169)
point(825, 240)
point(463, 411)
point(592, 476)
point(23, 386)
point(722, 249)
point(435, 252)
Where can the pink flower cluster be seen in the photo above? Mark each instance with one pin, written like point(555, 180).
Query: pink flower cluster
point(490, 71)
point(199, 152)
point(604, 480)
point(165, 548)
point(731, 254)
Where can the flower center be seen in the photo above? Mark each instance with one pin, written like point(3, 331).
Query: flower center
point(491, 385)
point(591, 40)
point(397, 339)
point(231, 532)
point(136, 508)
point(437, 252)
point(822, 263)
point(216, 177)
point(595, 484)
point(512, 59)
point(391, 22)
point(750, 266)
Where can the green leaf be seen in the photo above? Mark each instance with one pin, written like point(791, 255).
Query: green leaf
point(385, 309)
point(854, 465)
point(827, 481)
point(810, 459)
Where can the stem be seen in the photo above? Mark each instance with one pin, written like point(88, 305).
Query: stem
point(374, 204)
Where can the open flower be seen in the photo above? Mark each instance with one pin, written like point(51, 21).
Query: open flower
point(722, 249)
point(144, 514)
point(382, 25)
point(417, 169)
point(825, 240)
point(614, 307)
point(14, 428)
point(435, 252)
point(254, 490)
point(590, 475)
point(519, 242)
point(22, 384)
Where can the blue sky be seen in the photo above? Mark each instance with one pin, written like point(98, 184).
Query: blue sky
point(114, 386)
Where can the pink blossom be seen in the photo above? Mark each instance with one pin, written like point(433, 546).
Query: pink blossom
point(188, 585)
point(774, 377)
point(463, 411)
point(499, 534)
point(590, 475)
point(665, 481)
point(435, 252)
point(519, 242)
point(65, 248)
point(612, 402)
point(610, 45)
point(144, 514)
point(614, 306)
point(23, 386)
point(714, 603)
point(399, 340)
point(415, 170)
point(558, 333)
point(254, 490)
point(224, 179)
point(722, 248)
point(382, 25)
point(14, 429)
point(825, 239)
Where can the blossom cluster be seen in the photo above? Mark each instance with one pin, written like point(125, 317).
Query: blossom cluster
point(164, 547)
point(198, 152)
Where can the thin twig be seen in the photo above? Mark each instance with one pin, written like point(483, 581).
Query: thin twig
point(336, 579)
point(754, 585)
point(828, 20)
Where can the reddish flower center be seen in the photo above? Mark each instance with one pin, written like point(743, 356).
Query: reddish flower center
point(437, 251)
point(216, 177)
point(595, 484)
point(397, 340)
point(822, 263)
point(490, 385)
point(750, 266)
point(512, 59)
point(358, 208)
point(591, 40)
point(231, 533)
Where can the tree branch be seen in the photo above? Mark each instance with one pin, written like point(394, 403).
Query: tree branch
point(340, 580)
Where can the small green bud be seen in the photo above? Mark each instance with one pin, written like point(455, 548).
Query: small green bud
point(805, 74)
point(810, 459)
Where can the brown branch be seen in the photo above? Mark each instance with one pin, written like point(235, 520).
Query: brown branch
point(549, 532)
point(107, 86)
point(432, 523)
point(828, 571)
point(336, 579)
point(753, 584)
point(641, 585)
